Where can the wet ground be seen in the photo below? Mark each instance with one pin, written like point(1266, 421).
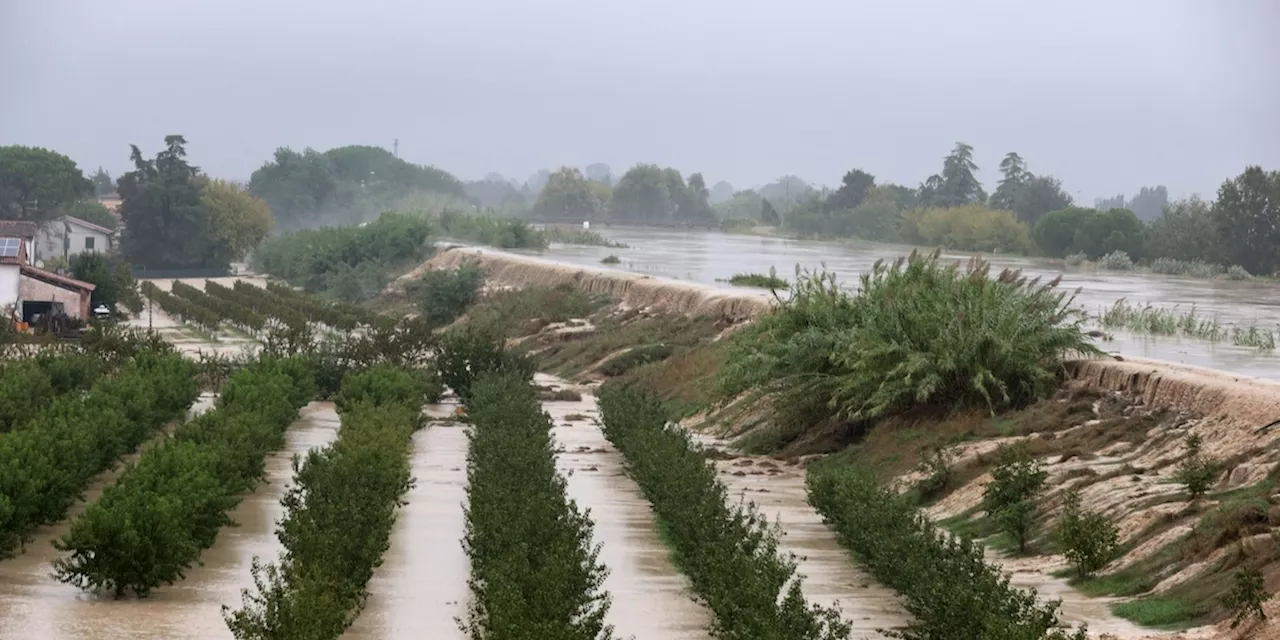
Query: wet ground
point(706, 257)
point(34, 606)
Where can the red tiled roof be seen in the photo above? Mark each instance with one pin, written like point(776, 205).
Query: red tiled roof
point(18, 228)
point(55, 279)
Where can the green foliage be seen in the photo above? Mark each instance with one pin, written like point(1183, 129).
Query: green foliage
point(28, 385)
point(165, 224)
point(730, 554)
point(855, 186)
point(112, 278)
point(349, 263)
point(567, 197)
point(1248, 593)
point(163, 511)
point(1091, 232)
point(653, 195)
point(967, 228)
point(344, 185)
point(467, 351)
point(38, 184)
point(917, 334)
point(1010, 498)
point(770, 281)
point(74, 437)
point(93, 211)
point(1197, 472)
point(535, 571)
point(585, 237)
point(635, 357)
point(611, 259)
point(338, 515)
point(1087, 538)
point(237, 220)
point(951, 592)
point(1246, 217)
point(1186, 232)
point(1038, 196)
point(445, 294)
point(102, 183)
point(181, 308)
point(957, 185)
point(504, 233)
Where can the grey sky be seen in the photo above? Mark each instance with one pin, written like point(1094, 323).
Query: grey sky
point(1106, 95)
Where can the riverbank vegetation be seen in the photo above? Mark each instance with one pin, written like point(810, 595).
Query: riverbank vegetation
point(1175, 321)
point(759, 280)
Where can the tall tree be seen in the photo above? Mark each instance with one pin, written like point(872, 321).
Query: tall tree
point(165, 224)
point(644, 196)
point(1186, 231)
point(957, 185)
point(721, 192)
point(599, 172)
point(1037, 196)
point(567, 197)
point(695, 207)
point(854, 187)
point(768, 215)
point(1013, 170)
point(237, 220)
point(38, 184)
point(1149, 204)
point(102, 183)
point(1247, 217)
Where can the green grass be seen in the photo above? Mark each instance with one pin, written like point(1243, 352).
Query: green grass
point(770, 281)
point(1158, 612)
point(564, 235)
point(1176, 321)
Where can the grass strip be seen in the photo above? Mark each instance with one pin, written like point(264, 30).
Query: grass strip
point(159, 516)
point(951, 592)
point(338, 515)
point(729, 553)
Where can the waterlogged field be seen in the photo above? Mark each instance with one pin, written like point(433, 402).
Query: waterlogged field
point(1239, 308)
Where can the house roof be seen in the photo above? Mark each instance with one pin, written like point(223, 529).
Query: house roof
point(57, 280)
point(89, 225)
point(18, 228)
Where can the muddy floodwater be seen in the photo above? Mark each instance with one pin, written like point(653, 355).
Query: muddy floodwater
point(421, 586)
point(34, 606)
point(651, 598)
point(706, 257)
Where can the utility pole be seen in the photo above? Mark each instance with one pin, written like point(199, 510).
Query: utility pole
point(396, 148)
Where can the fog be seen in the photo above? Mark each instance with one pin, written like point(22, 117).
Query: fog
point(1106, 96)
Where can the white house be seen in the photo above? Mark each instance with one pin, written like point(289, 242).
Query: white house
point(67, 236)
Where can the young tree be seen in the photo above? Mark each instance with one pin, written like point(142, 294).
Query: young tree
point(1197, 472)
point(1088, 539)
point(1247, 595)
point(165, 224)
point(1016, 481)
point(1247, 219)
point(237, 221)
point(38, 184)
point(567, 196)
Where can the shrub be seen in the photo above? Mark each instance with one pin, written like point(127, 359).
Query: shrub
point(611, 259)
point(533, 562)
point(153, 523)
point(1197, 472)
point(936, 464)
point(445, 294)
point(917, 334)
point(1091, 232)
point(973, 228)
point(1088, 539)
point(1075, 259)
point(504, 233)
point(1016, 481)
point(730, 554)
point(60, 448)
point(951, 592)
point(338, 516)
point(1116, 261)
point(771, 281)
point(1248, 593)
point(112, 279)
point(635, 357)
point(467, 351)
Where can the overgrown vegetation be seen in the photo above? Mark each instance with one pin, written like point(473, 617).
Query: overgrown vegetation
point(155, 520)
point(1017, 480)
point(1247, 595)
point(503, 233)
point(1197, 472)
point(445, 294)
point(730, 554)
point(534, 567)
point(338, 515)
point(465, 352)
point(946, 585)
point(918, 335)
point(1160, 321)
point(770, 281)
point(1088, 539)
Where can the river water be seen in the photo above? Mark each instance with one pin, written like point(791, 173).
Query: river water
point(708, 257)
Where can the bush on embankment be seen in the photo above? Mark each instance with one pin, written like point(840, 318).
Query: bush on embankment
point(951, 592)
point(467, 351)
point(535, 572)
point(162, 512)
point(48, 461)
point(917, 334)
point(730, 554)
point(338, 515)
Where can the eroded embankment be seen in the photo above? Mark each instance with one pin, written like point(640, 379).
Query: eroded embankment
point(629, 289)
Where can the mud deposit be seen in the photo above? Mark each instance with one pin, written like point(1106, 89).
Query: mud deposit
point(651, 599)
point(421, 586)
point(34, 606)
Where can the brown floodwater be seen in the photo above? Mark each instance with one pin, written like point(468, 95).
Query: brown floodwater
point(34, 606)
point(421, 586)
point(651, 598)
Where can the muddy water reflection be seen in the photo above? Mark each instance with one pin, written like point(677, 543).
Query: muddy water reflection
point(651, 599)
point(829, 573)
point(421, 585)
point(705, 257)
point(35, 606)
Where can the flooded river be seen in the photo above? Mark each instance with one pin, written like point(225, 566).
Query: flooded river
point(34, 606)
point(705, 257)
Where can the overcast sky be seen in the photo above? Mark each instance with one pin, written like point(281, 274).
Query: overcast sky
point(1106, 95)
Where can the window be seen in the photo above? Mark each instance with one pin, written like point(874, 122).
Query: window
point(88, 243)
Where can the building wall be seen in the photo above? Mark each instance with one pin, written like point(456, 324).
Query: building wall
point(50, 237)
point(75, 304)
point(9, 288)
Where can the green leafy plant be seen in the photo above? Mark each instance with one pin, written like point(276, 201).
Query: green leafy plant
point(611, 259)
point(1247, 595)
point(770, 281)
point(730, 553)
point(464, 352)
point(1197, 472)
point(1016, 481)
point(445, 294)
point(1088, 539)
